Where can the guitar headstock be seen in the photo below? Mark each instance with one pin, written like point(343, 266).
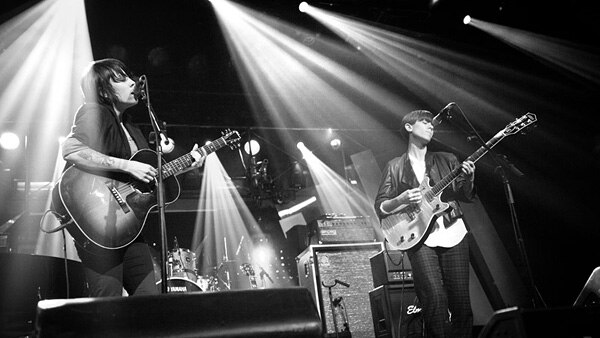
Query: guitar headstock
point(520, 124)
point(231, 137)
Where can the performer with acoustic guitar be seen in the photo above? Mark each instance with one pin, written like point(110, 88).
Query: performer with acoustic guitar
point(439, 256)
point(101, 141)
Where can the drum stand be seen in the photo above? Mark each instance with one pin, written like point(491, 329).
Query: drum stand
point(225, 260)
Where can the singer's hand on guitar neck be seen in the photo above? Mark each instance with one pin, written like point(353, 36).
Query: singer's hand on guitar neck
point(199, 156)
point(468, 168)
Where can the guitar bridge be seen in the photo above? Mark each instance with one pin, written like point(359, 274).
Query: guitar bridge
point(119, 198)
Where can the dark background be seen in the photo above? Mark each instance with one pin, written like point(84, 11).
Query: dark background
point(555, 199)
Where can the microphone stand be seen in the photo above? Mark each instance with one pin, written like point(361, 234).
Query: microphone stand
point(159, 185)
point(502, 164)
point(333, 305)
point(500, 169)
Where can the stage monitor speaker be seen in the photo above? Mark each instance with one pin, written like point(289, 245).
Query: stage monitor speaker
point(396, 312)
point(348, 263)
point(285, 312)
point(515, 322)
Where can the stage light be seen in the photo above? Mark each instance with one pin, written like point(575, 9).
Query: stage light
point(262, 255)
point(9, 141)
point(252, 147)
point(336, 143)
point(297, 207)
point(467, 19)
point(219, 235)
point(303, 7)
point(300, 145)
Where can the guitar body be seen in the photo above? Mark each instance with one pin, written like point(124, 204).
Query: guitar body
point(410, 225)
point(110, 210)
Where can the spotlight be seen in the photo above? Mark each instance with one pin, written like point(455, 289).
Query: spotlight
point(262, 255)
point(252, 147)
point(303, 7)
point(9, 141)
point(300, 145)
point(467, 19)
point(336, 143)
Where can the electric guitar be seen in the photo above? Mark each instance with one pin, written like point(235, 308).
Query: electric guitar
point(110, 209)
point(410, 223)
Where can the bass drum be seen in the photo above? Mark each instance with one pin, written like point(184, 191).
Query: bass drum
point(180, 285)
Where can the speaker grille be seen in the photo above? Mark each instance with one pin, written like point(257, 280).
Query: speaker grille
point(348, 263)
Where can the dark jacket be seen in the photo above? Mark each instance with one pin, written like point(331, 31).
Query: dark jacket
point(399, 176)
point(97, 126)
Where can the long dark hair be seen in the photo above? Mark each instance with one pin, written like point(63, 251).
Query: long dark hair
point(95, 82)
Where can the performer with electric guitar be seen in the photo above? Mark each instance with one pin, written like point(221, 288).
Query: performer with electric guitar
point(98, 152)
point(439, 255)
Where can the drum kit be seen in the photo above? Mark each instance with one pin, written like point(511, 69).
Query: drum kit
point(183, 276)
point(182, 273)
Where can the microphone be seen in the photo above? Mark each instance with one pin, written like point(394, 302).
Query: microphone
point(444, 114)
point(139, 90)
point(167, 144)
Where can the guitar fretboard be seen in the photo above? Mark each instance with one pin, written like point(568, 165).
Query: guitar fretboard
point(448, 179)
point(183, 162)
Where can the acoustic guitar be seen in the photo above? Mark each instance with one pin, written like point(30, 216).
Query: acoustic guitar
point(110, 209)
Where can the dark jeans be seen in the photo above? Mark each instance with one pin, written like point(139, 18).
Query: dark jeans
point(441, 277)
point(130, 268)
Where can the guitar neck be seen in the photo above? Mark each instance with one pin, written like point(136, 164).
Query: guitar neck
point(448, 179)
point(183, 162)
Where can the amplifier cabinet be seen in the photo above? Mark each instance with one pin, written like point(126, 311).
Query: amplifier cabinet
point(391, 267)
point(330, 229)
point(396, 312)
point(348, 263)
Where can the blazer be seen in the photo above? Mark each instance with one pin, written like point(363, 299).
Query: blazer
point(399, 176)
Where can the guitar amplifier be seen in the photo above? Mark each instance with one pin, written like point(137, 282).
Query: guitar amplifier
point(333, 229)
point(396, 312)
point(320, 266)
point(391, 267)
